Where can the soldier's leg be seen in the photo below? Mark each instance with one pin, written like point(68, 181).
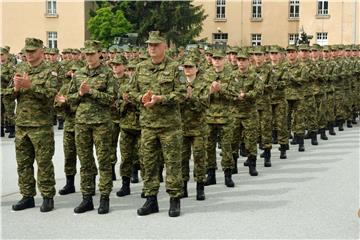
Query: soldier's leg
point(102, 143)
point(235, 144)
point(311, 118)
point(226, 135)
point(10, 116)
point(149, 151)
point(171, 142)
point(281, 124)
point(298, 125)
point(84, 147)
point(25, 156)
point(114, 143)
point(185, 156)
point(69, 153)
point(211, 146)
point(250, 139)
point(44, 146)
point(2, 109)
point(199, 156)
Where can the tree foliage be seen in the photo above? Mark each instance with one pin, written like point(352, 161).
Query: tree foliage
point(107, 24)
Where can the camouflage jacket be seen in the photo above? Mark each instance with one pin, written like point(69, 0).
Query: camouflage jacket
point(295, 76)
point(316, 76)
point(277, 82)
point(93, 107)
point(162, 79)
point(263, 73)
point(35, 105)
point(7, 71)
point(67, 109)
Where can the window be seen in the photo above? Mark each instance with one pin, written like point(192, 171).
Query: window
point(52, 39)
point(256, 8)
point(293, 38)
point(323, 7)
point(255, 39)
point(51, 7)
point(220, 37)
point(322, 38)
point(220, 9)
point(294, 8)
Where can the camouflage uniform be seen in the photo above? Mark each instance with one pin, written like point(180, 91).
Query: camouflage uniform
point(160, 124)
point(93, 126)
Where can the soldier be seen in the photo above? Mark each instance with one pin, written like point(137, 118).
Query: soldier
point(194, 128)
point(156, 87)
point(7, 103)
point(34, 87)
point(92, 93)
point(218, 120)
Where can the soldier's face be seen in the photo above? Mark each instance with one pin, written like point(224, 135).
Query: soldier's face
point(233, 58)
point(53, 57)
point(3, 57)
point(243, 63)
point(92, 58)
point(314, 54)
point(259, 58)
point(291, 55)
point(190, 70)
point(34, 56)
point(274, 56)
point(156, 49)
point(218, 62)
point(118, 68)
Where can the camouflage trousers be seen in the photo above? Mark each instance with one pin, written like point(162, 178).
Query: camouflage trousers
point(348, 104)
point(114, 143)
point(310, 113)
point(330, 107)
point(130, 150)
point(321, 110)
point(86, 136)
point(224, 132)
point(279, 120)
point(296, 117)
point(169, 142)
point(69, 152)
point(197, 143)
point(265, 125)
point(7, 111)
point(340, 105)
point(35, 143)
point(248, 129)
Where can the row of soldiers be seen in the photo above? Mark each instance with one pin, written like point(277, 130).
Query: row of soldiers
point(252, 95)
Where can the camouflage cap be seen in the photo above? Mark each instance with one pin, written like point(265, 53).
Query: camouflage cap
point(7, 47)
point(291, 48)
point(113, 49)
point(131, 65)
point(75, 51)
point(341, 47)
point(315, 47)
point(154, 37)
point(304, 47)
point(218, 53)
point(242, 55)
point(231, 50)
point(274, 49)
point(3, 50)
point(334, 47)
point(92, 46)
point(326, 49)
point(258, 50)
point(189, 61)
point(119, 59)
point(31, 44)
point(53, 51)
point(104, 50)
point(348, 48)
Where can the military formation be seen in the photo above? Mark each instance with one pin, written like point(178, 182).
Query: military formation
point(167, 105)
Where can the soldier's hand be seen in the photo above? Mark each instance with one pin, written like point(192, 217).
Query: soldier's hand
point(154, 99)
point(84, 88)
point(26, 83)
point(17, 82)
point(68, 74)
point(146, 97)
point(60, 98)
point(189, 92)
point(125, 97)
point(241, 95)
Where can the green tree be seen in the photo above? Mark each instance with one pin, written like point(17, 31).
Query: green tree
point(106, 24)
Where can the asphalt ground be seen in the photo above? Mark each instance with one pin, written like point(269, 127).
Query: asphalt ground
point(310, 195)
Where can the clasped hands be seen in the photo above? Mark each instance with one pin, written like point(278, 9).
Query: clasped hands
point(21, 82)
point(84, 88)
point(149, 100)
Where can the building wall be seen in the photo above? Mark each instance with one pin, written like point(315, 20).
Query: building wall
point(69, 23)
point(275, 26)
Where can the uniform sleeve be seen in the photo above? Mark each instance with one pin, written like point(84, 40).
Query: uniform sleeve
point(43, 91)
point(105, 98)
point(179, 92)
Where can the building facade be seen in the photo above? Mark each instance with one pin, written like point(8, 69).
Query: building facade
point(59, 23)
point(266, 22)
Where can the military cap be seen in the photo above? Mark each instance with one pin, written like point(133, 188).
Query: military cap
point(31, 44)
point(3, 50)
point(92, 46)
point(334, 47)
point(104, 50)
point(53, 51)
point(218, 53)
point(326, 49)
point(119, 59)
point(131, 65)
point(315, 47)
point(209, 51)
point(189, 61)
point(7, 47)
point(231, 50)
point(75, 51)
point(304, 47)
point(341, 47)
point(258, 50)
point(274, 49)
point(66, 50)
point(113, 49)
point(291, 48)
point(348, 48)
point(242, 55)
point(154, 37)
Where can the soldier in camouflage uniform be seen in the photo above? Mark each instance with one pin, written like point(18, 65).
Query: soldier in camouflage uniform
point(194, 128)
point(242, 91)
point(218, 120)
point(34, 87)
point(92, 93)
point(157, 89)
point(7, 103)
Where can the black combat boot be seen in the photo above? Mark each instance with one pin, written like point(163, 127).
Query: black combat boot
point(150, 206)
point(331, 128)
point(55, 120)
point(113, 173)
point(69, 186)
point(300, 140)
point(85, 205)
point(348, 124)
point(200, 192)
point(134, 174)
point(94, 182)
point(246, 162)
point(7, 129)
point(294, 140)
point(274, 137)
point(252, 166)
point(228, 181)
point(235, 168)
point(267, 157)
point(290, 136)
point(142, 195)
point(354, 116)
point(12, 132)
point(24, 203)
point(243, 150)
point(314, 140)
point(323, 134)
point(340, 125)
point(2, 131)
point(47, 205)
point(61, 124)
point(104, 204)
point(161, 178)
point(174, 210)
point(211, 177)
point(283, 151)
point(185, 191)
point(125, 188)
point(262, 155)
